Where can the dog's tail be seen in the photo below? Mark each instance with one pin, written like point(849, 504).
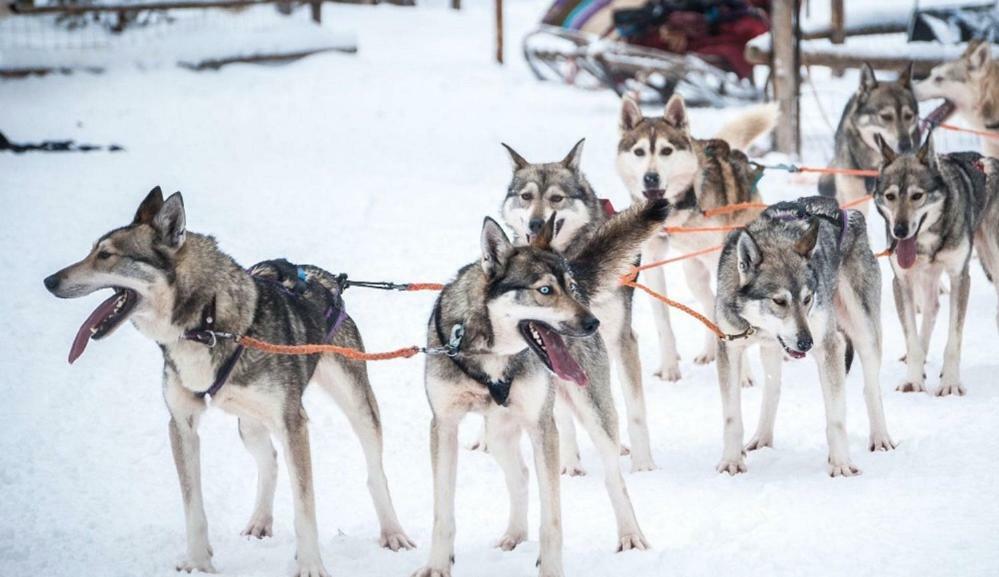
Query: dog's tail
point(752, 122)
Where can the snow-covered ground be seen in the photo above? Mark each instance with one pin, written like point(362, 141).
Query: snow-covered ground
point(382, 164)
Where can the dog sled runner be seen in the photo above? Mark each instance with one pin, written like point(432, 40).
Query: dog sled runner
point(691, 47)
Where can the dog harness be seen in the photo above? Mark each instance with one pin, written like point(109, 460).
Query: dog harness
point(206, 333)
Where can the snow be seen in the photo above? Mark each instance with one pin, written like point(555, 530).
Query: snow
point(382, 164)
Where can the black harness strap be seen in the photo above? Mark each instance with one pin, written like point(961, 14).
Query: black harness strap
point(207, 335)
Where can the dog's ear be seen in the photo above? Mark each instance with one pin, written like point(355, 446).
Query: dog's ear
point(676, 112)
point(978, 57)
point(631, 114)
point(495, 247)
point(547, 234)
point(518, 160)
point(806, 244)
point(925, 152)
point(575, 156)
point(171, 223)
point(905, 77)
point(868, 81)
point(149, 207)
point(748, 257)
point(888, 155)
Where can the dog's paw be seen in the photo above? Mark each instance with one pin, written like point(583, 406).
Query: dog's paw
point(642, 465)
point(311, 569)
point(432, 572)
point(880, 442)
point(758, 442)
point(911, 387)
point(954, 389)
point(395, 540)
point(705, 358)
point(197, 565)
point(634, 541)
point(843, 469)
point(260, 526)
point(624, 451)
point(574, 469)
point(669, 373)
point(732, 466)
point(550, 573)
point(510, 540)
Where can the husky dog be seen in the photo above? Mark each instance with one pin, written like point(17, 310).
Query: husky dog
point(173, 284)
point(508, 322)
point(792, 280)
point(888, 109)
point(971, 85)
point(658, 158)
point(535, 193)
point(936, 208)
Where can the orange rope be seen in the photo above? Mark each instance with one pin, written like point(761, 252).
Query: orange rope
point(831, 170)
point(252, 343)
point(985, 133)
point(424, 286)
point(665, 299)
point(885, 252)
point(633, 273)
point(856, 201)
point(734, 208)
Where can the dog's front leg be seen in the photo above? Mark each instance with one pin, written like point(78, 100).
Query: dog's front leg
point(829, 356)
point(544, 438)
point(950, 377)
point(503, 436)
point(294, 438)
point(915, 356)
point(653, 250)
point(568, 447)
point(699, 280)
point(929, 285)
point(733, 459)
point(773, 362)
point(185, 414)
point(444, 461)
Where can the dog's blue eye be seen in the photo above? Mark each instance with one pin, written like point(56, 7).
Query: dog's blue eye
point(545, 290)
point(526, 196)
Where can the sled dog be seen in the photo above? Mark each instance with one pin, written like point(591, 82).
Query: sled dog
point(179, 289)
point(888, 109)
point(936, 209)
point(536, 192)
point(658, 158)
point(508, 323)
point(792, 280)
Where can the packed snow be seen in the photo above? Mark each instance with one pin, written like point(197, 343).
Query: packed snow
point(382, 164)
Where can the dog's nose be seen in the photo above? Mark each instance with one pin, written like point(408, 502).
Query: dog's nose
point(591, 324)
point(804, 342)
point(535, 225)
point(901, 230)
point(651, 180)
point(51, 282)
point(905, 145)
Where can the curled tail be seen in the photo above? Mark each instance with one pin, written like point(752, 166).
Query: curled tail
point(752, 123)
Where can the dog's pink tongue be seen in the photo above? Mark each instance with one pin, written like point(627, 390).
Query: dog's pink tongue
point(562, 362)
point(905, 252)
point(83, 335)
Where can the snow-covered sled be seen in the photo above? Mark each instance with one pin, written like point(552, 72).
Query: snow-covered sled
point(693, 47)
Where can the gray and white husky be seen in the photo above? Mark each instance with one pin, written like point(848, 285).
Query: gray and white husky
point(971, 84)
point(794, 280)
point(658, 157)
point(179, 289)
point(510, 321)
point(877, 108)
point(537, 191)
point(936, 210)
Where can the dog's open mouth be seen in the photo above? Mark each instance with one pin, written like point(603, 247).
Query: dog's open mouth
point(552, 350)
point(558, 227)
point(654, 193)
point(795, 354)
point(107, 317)
point(905, 249)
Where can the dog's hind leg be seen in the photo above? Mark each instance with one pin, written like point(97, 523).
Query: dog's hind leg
point(544, 437)
point(503, 435)
point(568, 448)
point(623, 348)
point(950, 377)
point(257, 440)
point(669, 367)
point(293, 434)
point(348, 384)
point(773, 360)
point(185, 413)
point(829, 355)
point(594, 406)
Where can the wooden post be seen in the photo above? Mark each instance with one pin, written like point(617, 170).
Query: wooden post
point(499, 31)
point(316, 8)
point(786, 73)
point(456, 4)
point(837, 27)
